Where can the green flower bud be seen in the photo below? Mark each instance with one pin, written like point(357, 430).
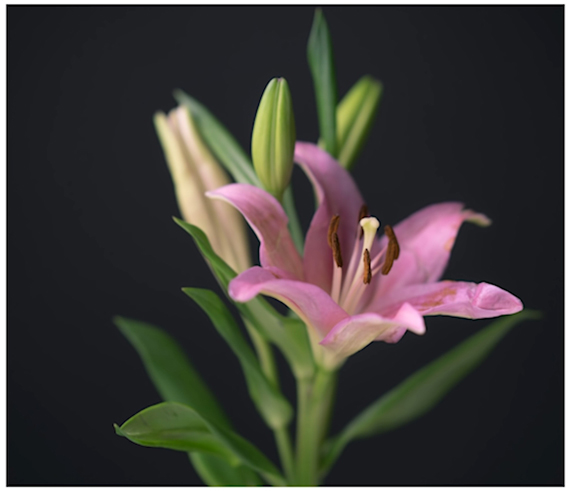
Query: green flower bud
point(273, 138)
point(354, 117)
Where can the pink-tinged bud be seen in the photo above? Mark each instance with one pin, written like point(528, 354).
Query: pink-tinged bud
point(194, 172)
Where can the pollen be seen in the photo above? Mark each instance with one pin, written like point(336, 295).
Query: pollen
point(336, 250)
point(393, 250)
point(367, 275)
point(333, 227)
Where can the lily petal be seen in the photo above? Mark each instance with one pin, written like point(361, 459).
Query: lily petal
point(337, 194)
point(427, 238)
point(358, 331)
point(269, 222)
point(455, 298)
point(312, 304)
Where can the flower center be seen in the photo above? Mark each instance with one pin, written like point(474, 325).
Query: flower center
point(349, 281)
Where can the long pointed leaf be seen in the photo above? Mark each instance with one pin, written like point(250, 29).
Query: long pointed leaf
point(169, 369)
point(424, 389)
point(274, 408)
point(220, 141)
point(223, 272)
point(176, 380)
point(321, 63)
point(179, 427)
point(170, 425)
point(268, 322)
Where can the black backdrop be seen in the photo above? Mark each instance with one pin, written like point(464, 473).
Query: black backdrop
point(472, 111)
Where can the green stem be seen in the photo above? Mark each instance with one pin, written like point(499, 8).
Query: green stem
point(294, 224)
point(305, 476)
point(314, 407)
point(327, 403)
point(285, 452)
point(264, 353)
point(269, 368)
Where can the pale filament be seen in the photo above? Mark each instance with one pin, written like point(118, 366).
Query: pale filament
point(352, 290)
point(336, 282)
point(355, 257)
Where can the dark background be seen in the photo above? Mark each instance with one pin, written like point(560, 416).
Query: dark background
point(472, 111)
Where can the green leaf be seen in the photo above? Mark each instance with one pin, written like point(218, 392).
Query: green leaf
point(266, 320)
point(300, 353)
point(273, 407)
point(169, 369)
point(180, 427)
point(215, 471)
point(424, 389)
point(321, 63)
point(176, 380)
point(223, 272)
point(220, 141)
point(354, 117)
point(173, 426)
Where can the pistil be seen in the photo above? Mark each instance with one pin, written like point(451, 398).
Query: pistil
point(362, 214)
point(352, 289)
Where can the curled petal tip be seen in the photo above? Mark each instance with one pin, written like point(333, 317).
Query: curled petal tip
point(477, 218)
point(492, 298)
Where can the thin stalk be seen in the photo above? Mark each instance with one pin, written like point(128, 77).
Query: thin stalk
point(285, 449)
point(314, 408)
point(305, 436)
point(327, 405)
point(264, 353)
point(269, 368)
point(294, 224)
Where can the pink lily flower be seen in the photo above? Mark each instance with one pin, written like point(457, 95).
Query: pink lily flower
point(352, 287)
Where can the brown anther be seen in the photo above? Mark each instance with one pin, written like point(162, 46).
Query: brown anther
point(393, 250)
point(333, 227)
point(362, 214)
point(367, 276)
point(336, 250)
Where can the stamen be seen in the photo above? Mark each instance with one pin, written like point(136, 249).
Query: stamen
point(336, 249)
point(389, 231)
point(334, 243)
point(333, 227)
point(393, 251)
point(355, 274)
point(367, 276)
point(363, 214)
